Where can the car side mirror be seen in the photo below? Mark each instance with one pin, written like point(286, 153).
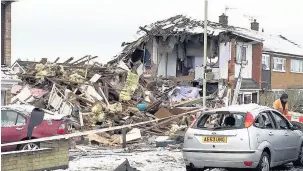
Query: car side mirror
point(36, 118)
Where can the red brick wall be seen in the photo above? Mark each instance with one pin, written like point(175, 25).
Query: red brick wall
point(287, 79)
point(6, 31)
point(257, 62)
point(231, 65)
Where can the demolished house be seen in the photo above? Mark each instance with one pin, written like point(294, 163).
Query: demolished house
point(173, 48)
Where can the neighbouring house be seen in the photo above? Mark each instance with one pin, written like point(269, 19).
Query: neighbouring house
point(174, 48)
point(282, 61)
point(20, 67)
point(8, 79)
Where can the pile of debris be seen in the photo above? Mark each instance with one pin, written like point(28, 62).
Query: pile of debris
point(100, 97)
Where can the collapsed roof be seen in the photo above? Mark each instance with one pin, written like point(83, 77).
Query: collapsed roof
point(181, 26)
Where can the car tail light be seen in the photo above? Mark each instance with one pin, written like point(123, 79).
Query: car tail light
point(249, 120)
point(194, 121)
point(61, 129)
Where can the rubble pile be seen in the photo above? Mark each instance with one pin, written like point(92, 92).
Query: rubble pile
point(99, 97)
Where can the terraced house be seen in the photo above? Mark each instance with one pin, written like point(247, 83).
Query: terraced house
point(174, 48)
point(282, 62)
point(8, 79)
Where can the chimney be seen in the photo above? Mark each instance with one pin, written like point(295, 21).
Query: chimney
point(254, 25)
point(223, 19)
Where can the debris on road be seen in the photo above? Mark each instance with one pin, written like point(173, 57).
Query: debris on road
point(98, 96)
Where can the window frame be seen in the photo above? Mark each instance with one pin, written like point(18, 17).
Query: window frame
point(268, 113)
point(241, 97)
point(282, 118)
point(283, 64)
point(239, 51)
point(18, 114)
point(292, 61)
point(266, 61)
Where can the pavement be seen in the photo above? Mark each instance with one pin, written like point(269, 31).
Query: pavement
point(143, 159)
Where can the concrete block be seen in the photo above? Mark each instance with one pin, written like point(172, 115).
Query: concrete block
point(163, 141)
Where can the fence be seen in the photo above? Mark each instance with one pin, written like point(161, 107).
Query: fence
point(295, 98)
point(52, 155)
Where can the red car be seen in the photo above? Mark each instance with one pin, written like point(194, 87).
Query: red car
point(14, 127)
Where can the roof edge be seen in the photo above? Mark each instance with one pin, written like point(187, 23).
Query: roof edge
point(282, 54)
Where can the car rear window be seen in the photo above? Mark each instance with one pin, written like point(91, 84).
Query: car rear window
point(220, 120)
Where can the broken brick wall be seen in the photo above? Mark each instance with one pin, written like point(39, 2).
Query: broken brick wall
point(56, 156)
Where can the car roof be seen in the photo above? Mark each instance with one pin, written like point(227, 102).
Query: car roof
point(27, 109)
point(243, 108)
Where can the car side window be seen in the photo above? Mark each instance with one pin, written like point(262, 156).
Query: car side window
point(21, 120)
point(280, 120)
point(8, 118)
point(263, 121)
point(11, 118)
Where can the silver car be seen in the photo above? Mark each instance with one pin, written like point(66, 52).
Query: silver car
point(242, 136)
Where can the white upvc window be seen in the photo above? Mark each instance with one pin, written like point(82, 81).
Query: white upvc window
point(296, 65)
point(265, 62)
point(279, 64)
point(241, 53)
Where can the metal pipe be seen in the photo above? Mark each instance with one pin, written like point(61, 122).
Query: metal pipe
point(205, 53)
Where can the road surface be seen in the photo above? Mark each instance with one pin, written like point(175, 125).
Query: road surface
point(148, 159)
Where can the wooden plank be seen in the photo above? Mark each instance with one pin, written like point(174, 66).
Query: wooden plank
point(78, 134)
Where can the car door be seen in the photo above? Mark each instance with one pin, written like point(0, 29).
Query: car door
point(290, 139)
point(269, 133)
point(12, 128)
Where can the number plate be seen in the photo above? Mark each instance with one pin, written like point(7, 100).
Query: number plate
point(214, 139)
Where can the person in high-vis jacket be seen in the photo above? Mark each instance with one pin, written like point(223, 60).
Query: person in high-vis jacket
point(281, 104)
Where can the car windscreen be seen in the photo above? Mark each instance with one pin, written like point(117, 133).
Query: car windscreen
point(220, 120)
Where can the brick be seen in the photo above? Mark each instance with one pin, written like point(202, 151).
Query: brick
point(15, 169)
point(8, 167)
point(257, 62)
point(284, 80)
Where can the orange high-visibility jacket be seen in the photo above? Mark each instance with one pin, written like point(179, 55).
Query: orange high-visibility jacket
point(278, 106)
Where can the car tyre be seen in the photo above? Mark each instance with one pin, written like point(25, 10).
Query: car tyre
point(264, 163)
point(30, 146)
point(299, 161)
point(189, 168)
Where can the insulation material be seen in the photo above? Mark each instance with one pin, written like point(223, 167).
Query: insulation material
point(130, 86)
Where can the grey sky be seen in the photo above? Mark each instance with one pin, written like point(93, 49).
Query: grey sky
point(65, 28)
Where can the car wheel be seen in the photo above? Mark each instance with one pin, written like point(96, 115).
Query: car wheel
point(30, 146)
point(299, 161)
point(264, 163)
point(189, 168)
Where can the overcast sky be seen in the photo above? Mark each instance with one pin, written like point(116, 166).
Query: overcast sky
point(65, 28)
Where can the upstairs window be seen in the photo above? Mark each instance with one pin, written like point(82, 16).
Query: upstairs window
point(265, 62)
point(241, 54)
point(296, 65)
point(279, 64)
